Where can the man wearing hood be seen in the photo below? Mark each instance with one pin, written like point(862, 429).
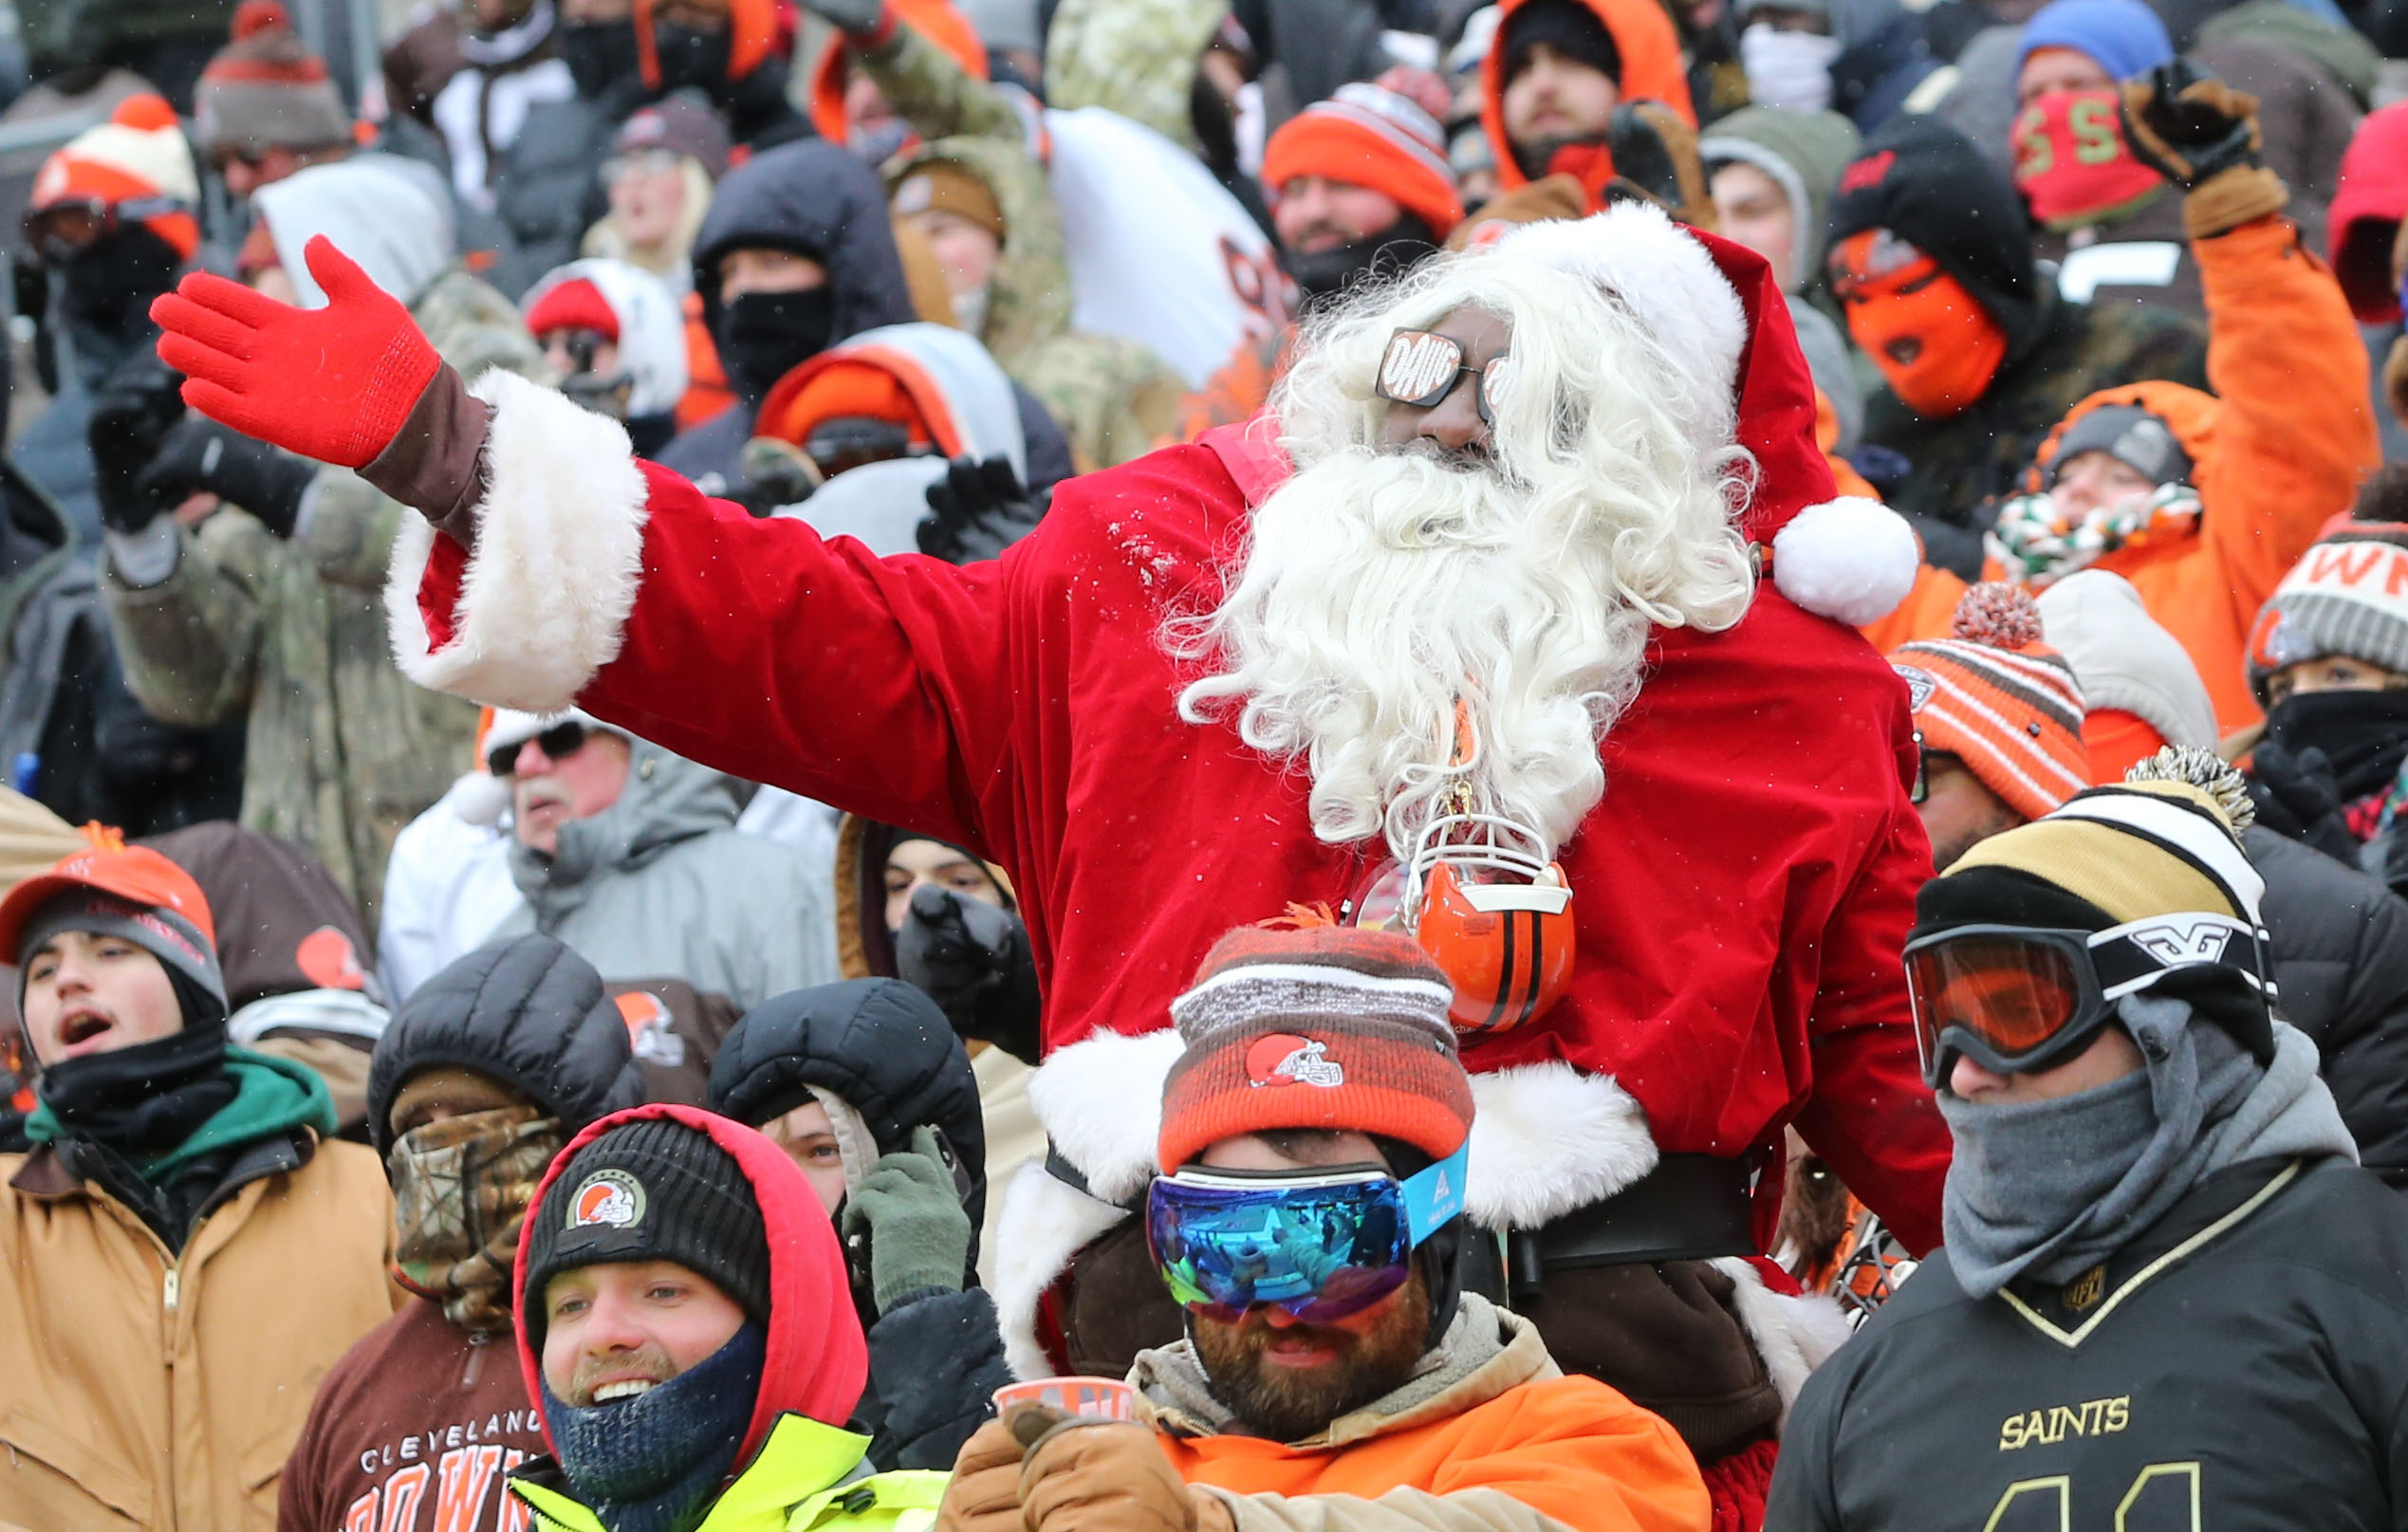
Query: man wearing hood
point(1336, 1372)
point(1864, 58)
point(630, 855)
point(270, 612)
point(188, 1247)
point(1570, 83)
point(2168, 1290)
point(2203, 501)
point(797, 255)
point(613, 335)
point(865, 1086)
point(1771, 171)
point(493, 1065)
point(988, 216)
point(683, 1328)
point(1932, 261)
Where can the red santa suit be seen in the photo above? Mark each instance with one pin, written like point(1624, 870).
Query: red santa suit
point(1744, 887)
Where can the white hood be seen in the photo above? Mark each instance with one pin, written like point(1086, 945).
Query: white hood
point(389, 215)
point(652, 330)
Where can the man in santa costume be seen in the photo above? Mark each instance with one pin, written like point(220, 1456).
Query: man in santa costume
point(1468, 635)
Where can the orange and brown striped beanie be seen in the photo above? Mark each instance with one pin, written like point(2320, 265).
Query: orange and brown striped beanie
point(1323, 1027)
point(1996, 697)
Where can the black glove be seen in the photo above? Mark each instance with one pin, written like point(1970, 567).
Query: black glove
point(1655, 158)
point(131, 416)
point(978, 510)
point(2297, 797)
point(973, 959)
point(200, 454)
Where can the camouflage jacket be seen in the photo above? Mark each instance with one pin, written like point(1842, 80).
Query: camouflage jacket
point(344, 751)
point(1964, 461)
point(1114, 397)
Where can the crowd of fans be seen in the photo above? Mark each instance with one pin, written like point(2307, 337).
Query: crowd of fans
point(734, 725)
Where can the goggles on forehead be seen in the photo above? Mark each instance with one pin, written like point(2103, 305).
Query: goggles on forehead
point(2017, 1000)
point(62, 230)
point(1422, 368)
point(1320, 1247)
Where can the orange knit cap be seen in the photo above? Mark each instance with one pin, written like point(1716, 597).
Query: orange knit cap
point(1327, 1027)
point(2000, 700)
point(1367, 136)
point(137, 162)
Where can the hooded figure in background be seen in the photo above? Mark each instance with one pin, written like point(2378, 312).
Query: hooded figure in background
point(493, 1065)
point(612, 333)
point(1864, 58)
point(271, 613)
point(865, 1086)
point(1933, 264)
point(988, 215)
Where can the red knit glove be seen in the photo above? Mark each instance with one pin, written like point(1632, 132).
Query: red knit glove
point(333, 383)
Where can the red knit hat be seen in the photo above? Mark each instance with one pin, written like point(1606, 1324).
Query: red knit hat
point(2000, 700)
point(1371, 136)
point(574, 304)
point(136, 163)
point(266, 90)
point(1328, 1026)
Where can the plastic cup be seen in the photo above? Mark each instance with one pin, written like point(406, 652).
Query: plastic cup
point(1096, 1398)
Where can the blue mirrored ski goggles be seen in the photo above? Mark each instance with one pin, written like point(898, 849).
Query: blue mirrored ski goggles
point(1321, 1247)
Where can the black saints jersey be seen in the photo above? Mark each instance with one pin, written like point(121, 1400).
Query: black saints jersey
point(2241, 1367)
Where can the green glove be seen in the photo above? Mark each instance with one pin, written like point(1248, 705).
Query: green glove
point(918, 1231)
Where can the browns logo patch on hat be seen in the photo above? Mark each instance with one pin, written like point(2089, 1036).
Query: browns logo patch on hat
point(1284, 1059)
point(608, 1198)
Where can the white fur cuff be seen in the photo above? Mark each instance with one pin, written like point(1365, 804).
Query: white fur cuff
point(560, 538)
point(1547, 1139)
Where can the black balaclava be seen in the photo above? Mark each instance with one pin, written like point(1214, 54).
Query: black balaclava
point(600, 56)
point(1377, 257)
point(763, 336)
point(108, 287)
point(691, 57)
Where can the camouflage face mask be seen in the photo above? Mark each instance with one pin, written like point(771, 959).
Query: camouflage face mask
point(460, 1190)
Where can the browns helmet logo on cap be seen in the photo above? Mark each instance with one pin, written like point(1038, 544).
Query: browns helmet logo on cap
point(1921, 684)
point(1284, 1059)
point(611, 1199)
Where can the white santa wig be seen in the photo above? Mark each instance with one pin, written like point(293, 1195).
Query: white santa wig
point(1380, 585)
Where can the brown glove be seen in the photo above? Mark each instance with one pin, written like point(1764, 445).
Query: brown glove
point(2202, 135)
point(1656, 161)
point(984, 1495)
point(1111, 1478)
point(1551, 197)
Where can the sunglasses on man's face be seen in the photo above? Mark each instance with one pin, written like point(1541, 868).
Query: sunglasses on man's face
point(558, 743)
point(1422, 368)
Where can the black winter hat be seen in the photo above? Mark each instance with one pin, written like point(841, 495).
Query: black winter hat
point(653, 1189)
point(1567, 27)
point(528, 1012)
point(878, 1045)
point(1925, 182)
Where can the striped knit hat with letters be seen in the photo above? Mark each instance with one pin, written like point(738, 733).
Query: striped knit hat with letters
point(2348, 595)
point(1367, 135)
point(1327, 1027)
point(2000, 700)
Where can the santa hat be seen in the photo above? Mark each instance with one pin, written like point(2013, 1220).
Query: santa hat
point(1996, 697)
point(1370, 137)
point(135, 162)
point(1718, 314)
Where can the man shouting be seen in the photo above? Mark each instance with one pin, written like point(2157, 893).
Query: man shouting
point(1468, 639)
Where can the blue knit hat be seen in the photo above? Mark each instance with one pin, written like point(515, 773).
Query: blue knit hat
point(2123, 37)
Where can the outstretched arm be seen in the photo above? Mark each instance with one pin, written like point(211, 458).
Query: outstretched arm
point(550, 566)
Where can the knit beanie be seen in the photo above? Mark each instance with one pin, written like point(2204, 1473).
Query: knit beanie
point(2348, 595)
point(266, 90)
point(2123, 37)
point(652, 1189)
point(1996, 697)
point(129, 891)
point(2140, 685)
point(685, 124)
point(2137, 437)
point(573, 304)
point(1567, 27)
point(1367, 135)
point(1327, 1027)
point(135, 162)
point(1924, 182)
point(944, 186)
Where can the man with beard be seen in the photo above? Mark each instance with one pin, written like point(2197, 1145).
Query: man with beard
point(684, 1332)
point(1395, 671)
point(1360, 191)
point(1314, 1134)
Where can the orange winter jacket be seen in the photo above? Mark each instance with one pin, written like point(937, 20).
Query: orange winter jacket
point(1652, 71)
point(2275, 452)
point(1496, 1443)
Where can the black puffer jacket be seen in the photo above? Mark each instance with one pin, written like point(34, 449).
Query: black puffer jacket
point(2341, 963)
point(885, 1049)
point(528, 1012)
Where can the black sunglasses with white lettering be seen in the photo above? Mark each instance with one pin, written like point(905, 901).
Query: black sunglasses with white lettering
point(558, 743)
point(1421, 368)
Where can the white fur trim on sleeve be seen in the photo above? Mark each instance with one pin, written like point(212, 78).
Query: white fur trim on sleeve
point(1665, 277)
point(1793, 1333)
point(1547, 1138)
point(1851, 558)
point(559, 539)
point(1100, 1102)
point(1043, 1223)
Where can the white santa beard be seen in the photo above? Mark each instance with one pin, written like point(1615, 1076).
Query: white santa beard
point(1377, 588)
